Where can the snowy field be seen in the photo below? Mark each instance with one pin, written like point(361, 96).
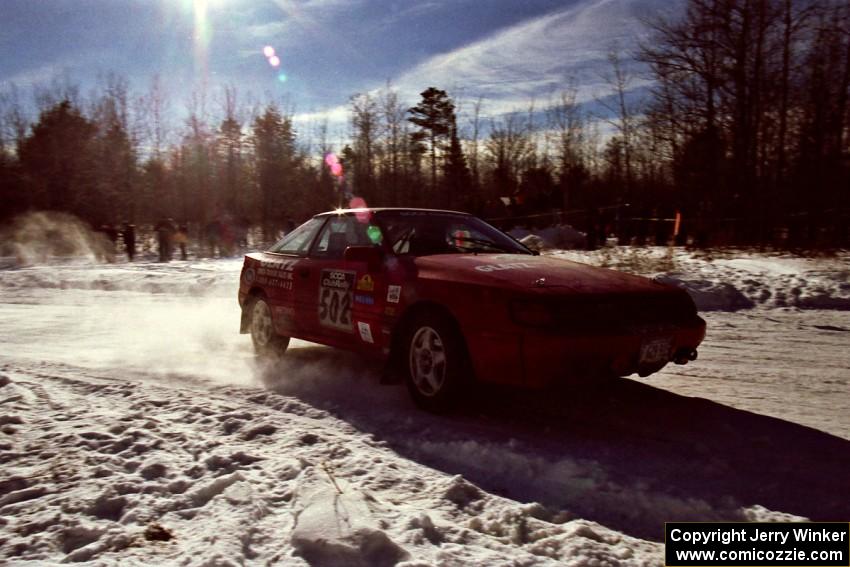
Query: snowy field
point(136, 429)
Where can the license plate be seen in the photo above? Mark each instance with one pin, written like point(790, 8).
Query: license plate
point(654, 351)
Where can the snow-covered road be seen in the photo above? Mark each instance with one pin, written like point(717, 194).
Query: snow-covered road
point(131, 412)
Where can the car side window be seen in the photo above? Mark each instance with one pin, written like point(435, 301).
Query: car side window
point(340, 233)
point(298, 241)
point(419, 238)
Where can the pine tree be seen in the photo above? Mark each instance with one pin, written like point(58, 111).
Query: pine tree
point(435, 116)
point(57, 161)
point(456, 175)
point(274, 153)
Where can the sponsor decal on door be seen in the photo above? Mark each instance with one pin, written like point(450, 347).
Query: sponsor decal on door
point(335, 295)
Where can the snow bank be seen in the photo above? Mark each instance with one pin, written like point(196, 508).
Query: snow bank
point(195, 278)
point(557, 236)
point(709, 295)
point(730, 280)
point(98, 470)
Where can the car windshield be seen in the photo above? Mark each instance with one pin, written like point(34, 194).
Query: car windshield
point(298, 241)
point(422, 233)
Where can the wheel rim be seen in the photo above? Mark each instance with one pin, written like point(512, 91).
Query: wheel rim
point(261, 323)
point(427, 361)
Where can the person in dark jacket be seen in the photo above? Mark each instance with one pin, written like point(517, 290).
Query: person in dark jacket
point(164, 231)
point(128, 234)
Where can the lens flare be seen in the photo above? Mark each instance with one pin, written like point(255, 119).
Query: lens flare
point(202, 34)
point(268, 51)
point(333, 163)
point(274, 61)
point(374, 234)
point(360, 203)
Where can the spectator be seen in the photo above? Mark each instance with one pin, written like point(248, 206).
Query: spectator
point(129, 237)
point(165, 232)
point(212, 233)
point(181, 237)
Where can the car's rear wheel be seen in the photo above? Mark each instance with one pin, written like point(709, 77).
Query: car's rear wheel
point(436, 363)
point(267, 343)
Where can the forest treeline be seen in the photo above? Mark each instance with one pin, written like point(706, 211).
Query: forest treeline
point(745, 132)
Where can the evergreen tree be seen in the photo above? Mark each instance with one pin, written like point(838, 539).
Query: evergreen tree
point(456, 176)
point(58, 164)
point(230, 171)
point(435, 116)
point(274, 153)
point(115, 190)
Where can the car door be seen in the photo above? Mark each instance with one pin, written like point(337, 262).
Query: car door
point(338, 303)
point(275, 272)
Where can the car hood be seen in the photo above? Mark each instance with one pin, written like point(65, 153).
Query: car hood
point(536, 274)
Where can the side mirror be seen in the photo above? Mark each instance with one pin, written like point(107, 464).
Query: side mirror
point(372, 256)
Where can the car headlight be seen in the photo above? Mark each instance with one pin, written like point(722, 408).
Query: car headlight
point(532, 313)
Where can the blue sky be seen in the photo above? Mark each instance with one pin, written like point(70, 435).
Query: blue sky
point(507, 51)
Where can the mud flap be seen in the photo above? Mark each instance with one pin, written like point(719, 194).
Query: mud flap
point(245, 322)
point(393, 372)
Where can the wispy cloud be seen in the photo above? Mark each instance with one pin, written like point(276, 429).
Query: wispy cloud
point(537, 58)
point(36, 76)
point(63, 68)
point(335, 116)
point(309, 5)
point(269, 30)
point(395, 13)
point(532, 61)
point(295, 19)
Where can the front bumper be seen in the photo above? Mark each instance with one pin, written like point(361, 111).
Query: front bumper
point(537, 358)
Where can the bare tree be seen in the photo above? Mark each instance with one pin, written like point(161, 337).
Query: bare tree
point(197, 138)
point(155, 106)
point(623, 110)
point(508, 149)
point(473, 143)
point(365, 131)
point(395, 130)
point(14, 119)
point(231, 179)
point(117, 149)
point(566, 124)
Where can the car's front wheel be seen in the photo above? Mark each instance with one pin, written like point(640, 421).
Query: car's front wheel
point(267, 343)
point(436, 363)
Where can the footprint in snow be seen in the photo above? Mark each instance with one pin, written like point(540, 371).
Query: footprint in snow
point(264, 429)
point(309, 439)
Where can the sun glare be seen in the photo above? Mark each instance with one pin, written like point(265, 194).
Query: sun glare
point(201, 35)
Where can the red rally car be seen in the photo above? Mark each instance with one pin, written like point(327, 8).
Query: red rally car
point(449, 300)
